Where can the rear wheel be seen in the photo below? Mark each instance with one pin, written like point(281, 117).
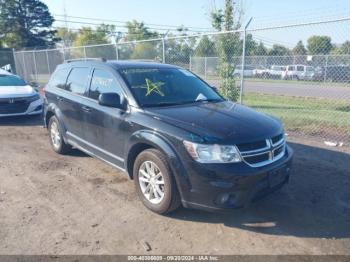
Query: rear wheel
point(56, 138)
point(154, 182)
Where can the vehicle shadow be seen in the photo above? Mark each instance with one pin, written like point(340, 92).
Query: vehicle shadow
point(315, 204)
point(35, 120)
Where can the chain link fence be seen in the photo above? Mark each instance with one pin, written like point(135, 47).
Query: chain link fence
point(299, 73)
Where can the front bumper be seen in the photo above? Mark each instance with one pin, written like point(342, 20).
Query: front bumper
point(217, 187)
point(34, 108)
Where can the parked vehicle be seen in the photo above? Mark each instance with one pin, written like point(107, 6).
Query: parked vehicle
point(17, 97)
point(261, 72)
point(298, 72)
point(275, 72)
point(247, 72)
point(172, 133)
point(339, 73)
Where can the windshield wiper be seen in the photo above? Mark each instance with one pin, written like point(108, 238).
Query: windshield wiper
point(167, 104)
point(210, 100)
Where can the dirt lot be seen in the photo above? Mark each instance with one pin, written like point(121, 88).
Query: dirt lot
point(51, 204)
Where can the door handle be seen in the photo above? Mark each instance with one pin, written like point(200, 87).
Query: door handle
point(86, 109)
point(59, 98)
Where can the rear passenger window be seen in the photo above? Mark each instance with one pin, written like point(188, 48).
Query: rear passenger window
point(103, 82)
point(76, 81)
point(300, 68)
point(59, 78)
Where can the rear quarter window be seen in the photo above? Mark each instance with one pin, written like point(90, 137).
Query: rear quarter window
point(59, 78)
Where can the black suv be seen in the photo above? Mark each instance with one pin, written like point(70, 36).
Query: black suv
point(171, 132)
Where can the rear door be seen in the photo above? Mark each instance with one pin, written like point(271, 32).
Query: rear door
point(71, 101)
point(105, 127)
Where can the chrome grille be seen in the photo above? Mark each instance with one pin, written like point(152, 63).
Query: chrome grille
point(263, 152)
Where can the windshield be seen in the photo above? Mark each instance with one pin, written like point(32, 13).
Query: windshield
point(11, 80)
point(167, 86)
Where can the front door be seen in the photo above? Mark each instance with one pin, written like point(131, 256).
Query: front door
point(105, 127)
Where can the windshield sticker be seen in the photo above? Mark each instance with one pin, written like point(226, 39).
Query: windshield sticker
point(101, 81)
point(153, 87)
point(201, 97)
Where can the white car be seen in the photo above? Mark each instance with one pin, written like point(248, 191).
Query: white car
point(277, 71)
point(299, 72)
point(17, 97)
point(247, 72)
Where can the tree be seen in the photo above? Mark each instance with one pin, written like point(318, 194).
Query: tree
point(228, 46)
point(26, 23)
point(89, 36)
point(319, 45)
point(261, 49)
point(138, 31)
point(66, 36)
point(279, 50)
point(205, 47)
point(344, 49)
point(299, 49)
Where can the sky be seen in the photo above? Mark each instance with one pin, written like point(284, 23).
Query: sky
point(195, 13)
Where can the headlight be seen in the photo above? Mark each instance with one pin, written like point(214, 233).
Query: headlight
point(212, 153)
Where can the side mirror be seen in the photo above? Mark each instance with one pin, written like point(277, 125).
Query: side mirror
point(111, 100)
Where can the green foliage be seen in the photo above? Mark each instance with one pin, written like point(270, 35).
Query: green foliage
point(299, 49)
point(138, 31)
point(205, 47)
point(88, 36)
point(260, 49)
point(344, 49)
point(279, 50)
point(26, 23)
point(228, 87)
point(146, 50)
point(66, 36)
point(319, 45)
point(228, 46)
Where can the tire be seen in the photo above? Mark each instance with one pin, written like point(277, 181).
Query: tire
point(56, 138)
point(165, 183)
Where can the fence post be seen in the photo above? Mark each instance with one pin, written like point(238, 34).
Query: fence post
point(64, 56)
point(116, 51)
point(163, 45)
point(24, 67)
point(48, 63)
point(35, 68)
point(325, 70)
point(190, 66)
point(243, 61)
point(205, 67)
point(14, 61)
point(85, 52)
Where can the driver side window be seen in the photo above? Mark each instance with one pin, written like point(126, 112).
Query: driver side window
point(103, 82)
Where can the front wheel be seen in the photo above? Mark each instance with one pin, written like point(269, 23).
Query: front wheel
point(56, 138)
point(154, 182)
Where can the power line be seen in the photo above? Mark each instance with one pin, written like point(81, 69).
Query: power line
point(124, 22)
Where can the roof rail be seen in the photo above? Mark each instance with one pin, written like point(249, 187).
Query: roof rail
point(102, 59)
point(143, 60)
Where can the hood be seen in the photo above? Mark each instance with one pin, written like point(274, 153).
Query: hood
point(16, 91)
point(224, 122)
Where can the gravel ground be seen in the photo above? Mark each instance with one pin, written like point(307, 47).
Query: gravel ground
point(52, 204)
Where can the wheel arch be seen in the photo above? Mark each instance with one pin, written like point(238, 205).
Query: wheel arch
point(146, 139)
point(53, 110)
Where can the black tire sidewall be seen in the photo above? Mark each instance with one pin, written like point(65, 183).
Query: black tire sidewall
point(158, 158)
